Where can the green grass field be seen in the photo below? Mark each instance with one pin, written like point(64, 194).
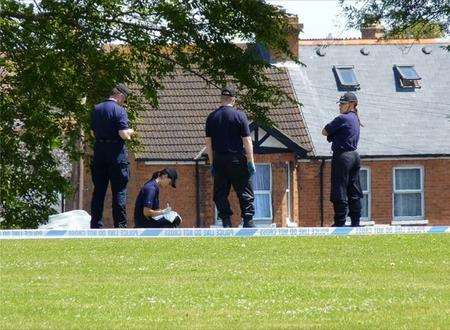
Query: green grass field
point(322, 282)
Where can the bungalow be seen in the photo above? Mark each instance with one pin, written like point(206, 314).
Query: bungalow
point(404, 106)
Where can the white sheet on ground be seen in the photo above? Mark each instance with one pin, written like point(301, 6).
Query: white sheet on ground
point(76, 219)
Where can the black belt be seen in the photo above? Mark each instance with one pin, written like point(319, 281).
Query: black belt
point(107, 141)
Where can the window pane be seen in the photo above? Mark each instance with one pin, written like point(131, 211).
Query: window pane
point(407, 179)
point(407, 205)
point(261, 179)
point(262, 206)
point(408, 72)
point(347, 76)
point(365, 206)
point(363, 176)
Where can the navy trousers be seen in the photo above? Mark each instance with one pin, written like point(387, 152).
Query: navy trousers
point(110, 164)
point(346, 190)
point(231, 170)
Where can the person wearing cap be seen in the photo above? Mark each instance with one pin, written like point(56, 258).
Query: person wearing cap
point(147, 213)
point(110, 128)
point(230, 152)
point(343, 133)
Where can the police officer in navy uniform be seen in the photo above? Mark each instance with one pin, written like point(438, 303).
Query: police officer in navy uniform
point(110, 128)
point(147, 212)
point(230, 151)
point(346, 191)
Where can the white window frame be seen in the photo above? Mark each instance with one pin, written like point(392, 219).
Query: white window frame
point(258, 221)
point(268, 192)
point(368, 220)
point(288, 192)
point(406, 219)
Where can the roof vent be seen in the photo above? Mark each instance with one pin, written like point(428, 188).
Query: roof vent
point(321, 51)
point(426, 50)
point(365, 51)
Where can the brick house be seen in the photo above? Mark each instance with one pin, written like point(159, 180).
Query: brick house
point(405, 141)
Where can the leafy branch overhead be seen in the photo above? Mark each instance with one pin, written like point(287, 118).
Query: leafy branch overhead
point(58, 53)
point(402, 19)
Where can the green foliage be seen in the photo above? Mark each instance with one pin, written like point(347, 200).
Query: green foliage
point(420, 30)
point(55, 53)
point(377, 282)
point(402, 19)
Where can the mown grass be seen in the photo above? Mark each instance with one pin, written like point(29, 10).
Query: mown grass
point(390, 282)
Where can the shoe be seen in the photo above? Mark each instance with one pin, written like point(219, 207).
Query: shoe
point(226, 223)
point(177, 222)
point(249, 224)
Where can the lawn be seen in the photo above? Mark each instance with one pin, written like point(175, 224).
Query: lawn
point(301, 282)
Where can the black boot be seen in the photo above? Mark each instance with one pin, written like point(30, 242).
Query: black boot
point(226, 223)
point(248, 223)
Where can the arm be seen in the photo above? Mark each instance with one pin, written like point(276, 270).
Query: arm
point(148, 212)
point(209, 149)
point(332, 127)
point(248, 146)
point(126, 134)
point(122, 125)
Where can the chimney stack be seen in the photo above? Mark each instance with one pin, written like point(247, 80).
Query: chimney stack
point(292, 37)
point(293, 34)
point(372, 31)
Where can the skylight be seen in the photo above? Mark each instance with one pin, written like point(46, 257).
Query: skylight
point(346, 76)
point(408, 76)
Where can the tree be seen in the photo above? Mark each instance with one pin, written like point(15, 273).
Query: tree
point(54, 54)
point(412, 19)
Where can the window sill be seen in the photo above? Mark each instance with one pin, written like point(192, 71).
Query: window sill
point(408, 222)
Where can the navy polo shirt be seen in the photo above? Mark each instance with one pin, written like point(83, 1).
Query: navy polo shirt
point(107, 119)
point(226, 127)
point(148, 197)
point(343, 132)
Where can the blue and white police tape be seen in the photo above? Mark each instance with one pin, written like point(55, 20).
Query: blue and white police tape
point(218, 232)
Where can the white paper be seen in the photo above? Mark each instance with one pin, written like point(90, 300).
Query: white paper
point(170, 216)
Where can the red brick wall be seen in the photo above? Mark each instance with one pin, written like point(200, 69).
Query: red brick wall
point(183, 198)
point(436, 190)
point(305, 194)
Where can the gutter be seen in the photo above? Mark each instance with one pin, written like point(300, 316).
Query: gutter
point(322, 164)
point(199, 222)
point(374, 157)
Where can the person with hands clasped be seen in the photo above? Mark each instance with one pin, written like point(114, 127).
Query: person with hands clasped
point(343, 133)
point(147, 212)
point(230, 152)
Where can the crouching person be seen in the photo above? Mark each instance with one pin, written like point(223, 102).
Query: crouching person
point(147, 213)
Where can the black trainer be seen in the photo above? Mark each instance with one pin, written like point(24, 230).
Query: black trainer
point(249, 223)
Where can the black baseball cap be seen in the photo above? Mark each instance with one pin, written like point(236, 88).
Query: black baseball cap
point(122, 88)
point(172, 175)
point(347, 98)
point(228, 91)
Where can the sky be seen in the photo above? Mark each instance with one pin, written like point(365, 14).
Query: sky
point(320, 18)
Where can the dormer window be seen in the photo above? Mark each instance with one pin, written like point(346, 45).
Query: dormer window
point(346, 76)
point(408, 77)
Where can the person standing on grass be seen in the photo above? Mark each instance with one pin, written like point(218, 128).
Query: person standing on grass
point(230, 152)
point(147, 213)
point(343, 132)
point(110, 128)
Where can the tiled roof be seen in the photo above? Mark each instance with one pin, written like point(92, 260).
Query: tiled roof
point(397, 121)
point(175, 130)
